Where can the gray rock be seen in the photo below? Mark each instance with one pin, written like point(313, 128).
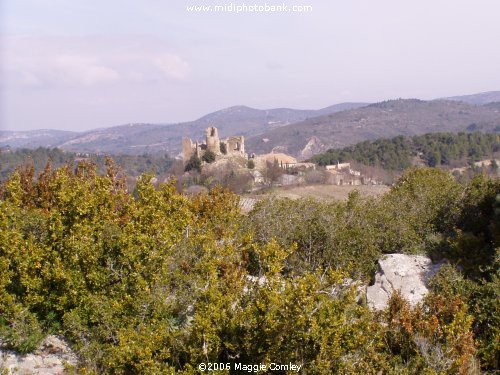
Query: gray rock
point(51, 357)
point(347, 284)
point(407, 273)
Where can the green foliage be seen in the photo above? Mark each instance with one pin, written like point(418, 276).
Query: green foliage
point(10, 160)
point(21, 330)
point(397, 153)
point(223, 148)
point(208, 156)
point(411, 218)
point(159, 282)
point(429, 199)
point(193, 164)
point(339, 235)
point(477, 232)
point(132, 165)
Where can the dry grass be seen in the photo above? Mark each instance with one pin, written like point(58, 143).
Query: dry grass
point(323, 192)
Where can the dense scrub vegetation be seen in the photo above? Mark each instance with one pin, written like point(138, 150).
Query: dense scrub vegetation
point(132, 165)
point(397, 153)
point(159, 282)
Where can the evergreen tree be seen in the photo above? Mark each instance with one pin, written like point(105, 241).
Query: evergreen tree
point(194, 163)
point(208, 156)
point(223, 148)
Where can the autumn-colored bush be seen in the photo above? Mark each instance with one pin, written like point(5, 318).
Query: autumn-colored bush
point(157, 282)
point(436, 335)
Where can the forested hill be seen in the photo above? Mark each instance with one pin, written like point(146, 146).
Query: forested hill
point(132, 165)
point(398, 153)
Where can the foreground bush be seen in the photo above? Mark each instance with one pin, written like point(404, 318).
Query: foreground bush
point(158, 283)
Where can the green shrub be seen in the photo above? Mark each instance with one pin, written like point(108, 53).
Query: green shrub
point(193, 164)
point(483, 300)
point(159, 282)
point(22, 332)
point(340, 235)
point(223, 148)
point(208, 157)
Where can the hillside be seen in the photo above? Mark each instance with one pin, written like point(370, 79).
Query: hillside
point(302, 133)
point(478, 99)
point(250, 121)
point(152, 138)
point(129, 139)
point(34, 138)
point(495, 106)
point(433, 149)
point(387, 119)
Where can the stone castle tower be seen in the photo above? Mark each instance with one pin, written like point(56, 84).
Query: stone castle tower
point(233, 145)
point(212, 139)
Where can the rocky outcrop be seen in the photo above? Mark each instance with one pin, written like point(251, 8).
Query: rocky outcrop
point(314, 146)
point(407, 273)
point(53, 356)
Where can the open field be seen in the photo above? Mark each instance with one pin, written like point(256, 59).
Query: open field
point(328, 191)
point(322, 192)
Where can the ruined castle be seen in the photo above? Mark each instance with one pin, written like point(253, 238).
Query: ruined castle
point(228, 146)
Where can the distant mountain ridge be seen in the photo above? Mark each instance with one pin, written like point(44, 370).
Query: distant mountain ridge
point(153, 138)
point(302, 133)
point(386, 119)
point(478, 99)
point(34, 138)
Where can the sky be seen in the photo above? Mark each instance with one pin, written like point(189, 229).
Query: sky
point(84, 64)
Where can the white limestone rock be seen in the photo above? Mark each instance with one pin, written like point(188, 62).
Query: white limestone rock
point(52, 357)
point(407, 273)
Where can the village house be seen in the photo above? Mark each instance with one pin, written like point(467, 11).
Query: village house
point(343, 174)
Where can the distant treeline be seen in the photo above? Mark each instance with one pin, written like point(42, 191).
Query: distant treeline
point(132, 165)
point(398, 153)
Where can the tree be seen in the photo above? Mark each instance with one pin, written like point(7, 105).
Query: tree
point(397, 153)
point(208, 156)
point(429, 200)
point(160, 282)
point(194, 163)
point(223, 148)
point(494, 165)
point(273, 172)
point(434, 158)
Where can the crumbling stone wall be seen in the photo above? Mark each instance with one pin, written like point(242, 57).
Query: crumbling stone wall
point(188, 148)
point(234, 145)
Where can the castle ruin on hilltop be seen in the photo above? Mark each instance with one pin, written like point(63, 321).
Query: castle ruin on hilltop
point(229, 146)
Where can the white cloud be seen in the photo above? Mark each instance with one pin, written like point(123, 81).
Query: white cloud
point(81, 70)
point(172, 66)
point(88, 61)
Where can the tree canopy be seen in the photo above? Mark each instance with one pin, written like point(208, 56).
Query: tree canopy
point(132, 165)
point(158, 282)
point(398, 153)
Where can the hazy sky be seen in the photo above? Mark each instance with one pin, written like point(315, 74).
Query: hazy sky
point(82, 64)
